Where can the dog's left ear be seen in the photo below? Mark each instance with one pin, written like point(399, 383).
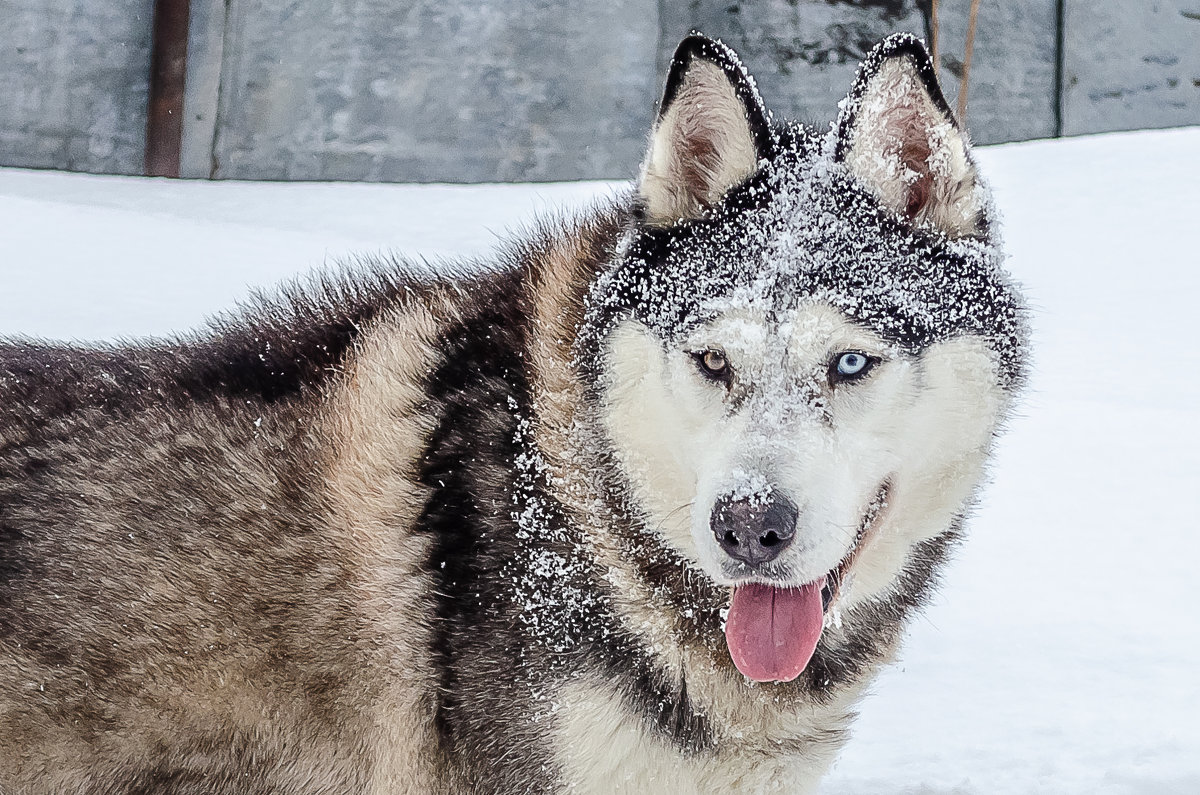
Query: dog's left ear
point(898, 136)
point(712, 131)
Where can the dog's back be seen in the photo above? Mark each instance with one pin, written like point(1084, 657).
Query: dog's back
point(205, 573)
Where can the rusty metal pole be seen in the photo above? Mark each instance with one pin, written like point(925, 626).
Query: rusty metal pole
point(168, 73)
point(966, 69)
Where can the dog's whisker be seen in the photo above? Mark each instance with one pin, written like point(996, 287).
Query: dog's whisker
point(659, 527)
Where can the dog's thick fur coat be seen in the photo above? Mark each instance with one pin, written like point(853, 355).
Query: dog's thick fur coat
point(393, 534)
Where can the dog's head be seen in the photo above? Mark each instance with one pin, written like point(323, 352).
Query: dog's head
point(806, 342)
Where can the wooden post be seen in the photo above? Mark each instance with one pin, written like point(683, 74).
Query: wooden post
point(168, 73)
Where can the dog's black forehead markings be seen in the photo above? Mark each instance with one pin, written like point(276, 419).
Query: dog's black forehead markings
point(802, 229)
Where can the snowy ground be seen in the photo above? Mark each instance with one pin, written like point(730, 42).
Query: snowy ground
point(1063, 654)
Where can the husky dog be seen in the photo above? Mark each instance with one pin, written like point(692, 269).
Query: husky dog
point(642, 509)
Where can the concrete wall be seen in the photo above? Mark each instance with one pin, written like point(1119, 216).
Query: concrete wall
point(804, 53)
point(462, 90)
point(1013, 88)
point(1130, 64)
point(74, 77)
point(434, 90)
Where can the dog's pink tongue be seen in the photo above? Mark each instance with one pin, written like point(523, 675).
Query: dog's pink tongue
point(773, 632)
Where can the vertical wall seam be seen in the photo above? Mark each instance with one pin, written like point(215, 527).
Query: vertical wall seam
point(1059, 61)
point(214, 160)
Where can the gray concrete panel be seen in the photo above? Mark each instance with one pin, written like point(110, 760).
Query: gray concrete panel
point(441, 90)
point(1130, 64)
point(803, 53)
point(75, 83)
point(206, 50)
point(436, 91)
point(1012, 91)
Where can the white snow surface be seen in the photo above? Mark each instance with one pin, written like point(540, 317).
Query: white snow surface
point(1062, 654)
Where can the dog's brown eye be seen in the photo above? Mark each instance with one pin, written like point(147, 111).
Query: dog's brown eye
point(713, 364)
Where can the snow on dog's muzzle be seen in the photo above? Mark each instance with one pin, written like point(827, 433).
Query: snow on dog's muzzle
point(754, 531)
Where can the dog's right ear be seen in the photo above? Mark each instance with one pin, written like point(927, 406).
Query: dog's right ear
point(897, 135)
point(712, 131)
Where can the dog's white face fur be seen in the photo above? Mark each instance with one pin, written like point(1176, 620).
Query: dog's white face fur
point(917, 426)
point(873, 465)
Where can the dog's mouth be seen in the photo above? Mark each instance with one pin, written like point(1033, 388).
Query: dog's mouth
point(772, 631)
point(838, 579)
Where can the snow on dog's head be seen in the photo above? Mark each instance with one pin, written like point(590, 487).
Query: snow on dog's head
point(806, 341)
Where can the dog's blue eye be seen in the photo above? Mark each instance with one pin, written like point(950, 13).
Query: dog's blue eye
point(851, 363)
point(850, 366)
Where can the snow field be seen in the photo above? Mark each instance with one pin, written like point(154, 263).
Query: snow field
point(1061, 653)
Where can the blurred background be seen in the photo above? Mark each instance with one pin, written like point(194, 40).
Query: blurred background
point(530, 90)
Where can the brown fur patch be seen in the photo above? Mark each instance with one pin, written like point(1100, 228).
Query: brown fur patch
point(378, 424)
point(227, 593)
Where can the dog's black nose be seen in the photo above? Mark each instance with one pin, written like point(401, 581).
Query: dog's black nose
point(754, 531)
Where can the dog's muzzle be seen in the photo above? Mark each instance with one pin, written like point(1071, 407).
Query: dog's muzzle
point(754, 531)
